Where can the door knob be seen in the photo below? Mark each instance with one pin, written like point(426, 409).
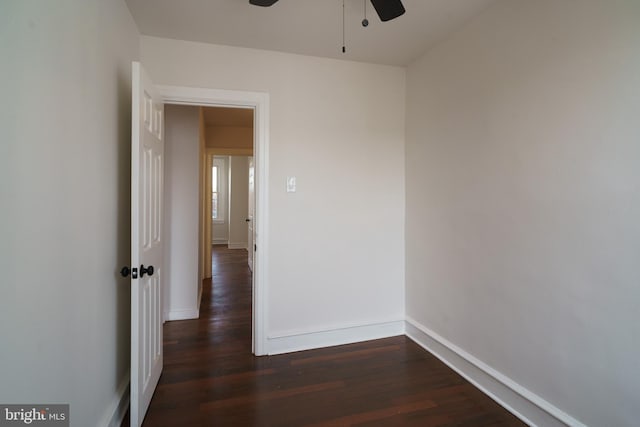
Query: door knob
point(125, 271)
point(248, 219)
point(146, 270)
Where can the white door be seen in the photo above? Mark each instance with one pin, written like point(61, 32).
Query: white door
point(147, 148)
point(250, 231)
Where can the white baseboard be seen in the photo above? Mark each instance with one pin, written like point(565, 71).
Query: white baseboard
point(220, 241)
point(192, 313)
point(523, 403)
point(117, 408)
point(298, 341)
point(238, 245)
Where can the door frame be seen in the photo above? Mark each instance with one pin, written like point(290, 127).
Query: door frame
point(259, 102)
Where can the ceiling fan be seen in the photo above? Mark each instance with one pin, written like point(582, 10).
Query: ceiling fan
point(386, 9)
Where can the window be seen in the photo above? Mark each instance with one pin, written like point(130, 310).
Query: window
point(215, 194)
point(219, 189)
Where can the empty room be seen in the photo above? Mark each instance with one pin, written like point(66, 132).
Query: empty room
point(438, 220)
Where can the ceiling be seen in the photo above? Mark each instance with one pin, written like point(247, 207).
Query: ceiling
point(228, 117)
point(308, 27)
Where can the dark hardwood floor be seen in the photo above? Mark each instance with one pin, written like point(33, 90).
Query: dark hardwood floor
point(210, 377)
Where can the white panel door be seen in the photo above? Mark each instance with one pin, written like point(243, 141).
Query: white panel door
point(251, 213)
point(147, 149)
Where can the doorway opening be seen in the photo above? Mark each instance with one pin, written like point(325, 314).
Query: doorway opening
point(230, 196)
point(257, 104)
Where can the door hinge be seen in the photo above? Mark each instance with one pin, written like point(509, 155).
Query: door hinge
point(255, 247)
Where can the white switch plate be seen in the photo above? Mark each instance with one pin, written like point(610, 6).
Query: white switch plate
point(291, 184)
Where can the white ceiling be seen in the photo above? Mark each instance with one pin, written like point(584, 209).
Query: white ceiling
point(308, 27)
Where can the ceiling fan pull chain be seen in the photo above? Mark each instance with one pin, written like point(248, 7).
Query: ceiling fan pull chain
point(344, 49)
point(365, 21)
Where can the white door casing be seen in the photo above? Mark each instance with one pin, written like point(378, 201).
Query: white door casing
point(147, 151)
point(251, 213)
point(259, 101)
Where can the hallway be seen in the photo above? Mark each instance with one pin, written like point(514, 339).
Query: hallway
point(210, 377)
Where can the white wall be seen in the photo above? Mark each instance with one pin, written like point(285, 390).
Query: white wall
point(238, 201)
point(523, 200)
point(65, 190)
point(229, 137)
point(182, 204)
point(336, 249)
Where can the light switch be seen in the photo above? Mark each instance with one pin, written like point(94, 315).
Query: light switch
point(291, 184)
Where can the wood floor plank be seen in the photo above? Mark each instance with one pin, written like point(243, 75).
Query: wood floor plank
point(210, 377)
point(379, 414)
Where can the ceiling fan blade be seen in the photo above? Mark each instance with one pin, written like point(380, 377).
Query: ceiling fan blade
point(265, 3)
point(388, 9)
